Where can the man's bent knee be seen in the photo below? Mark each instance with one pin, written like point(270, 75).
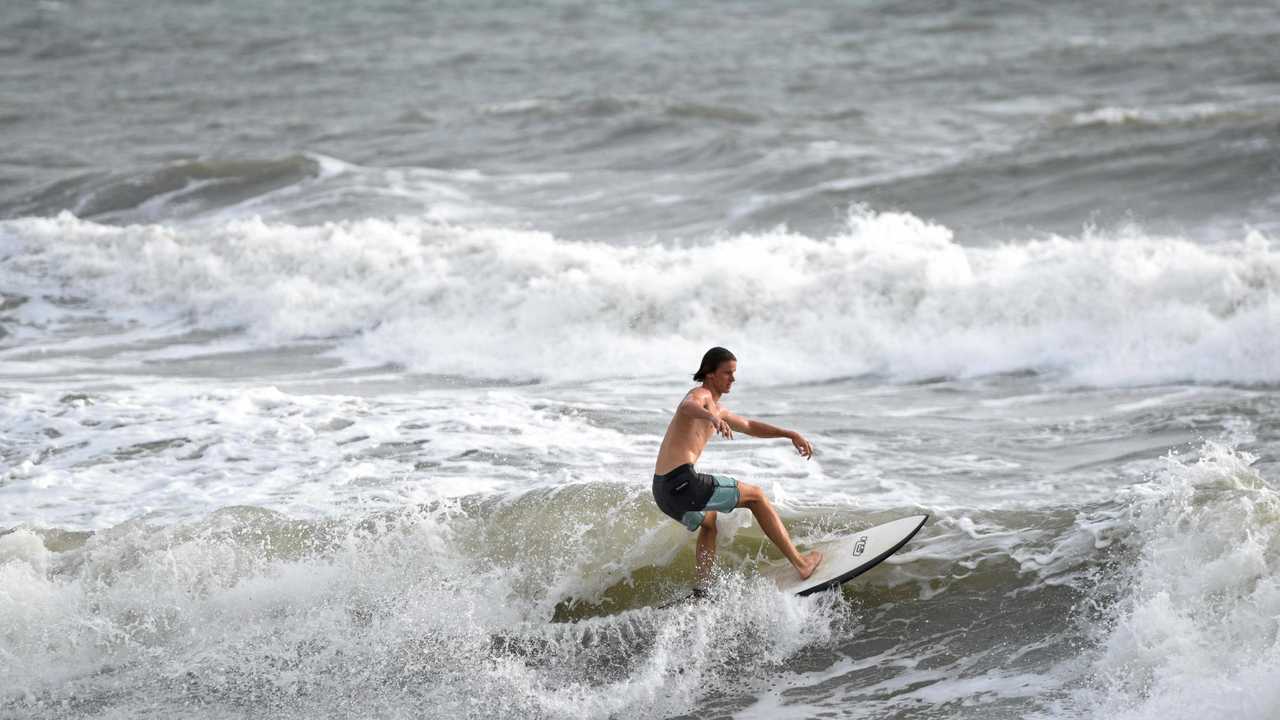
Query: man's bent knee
point(749, 494)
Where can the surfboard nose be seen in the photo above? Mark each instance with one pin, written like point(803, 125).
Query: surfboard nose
point(848, 557)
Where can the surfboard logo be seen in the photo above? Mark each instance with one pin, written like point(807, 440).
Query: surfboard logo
point(860, 546)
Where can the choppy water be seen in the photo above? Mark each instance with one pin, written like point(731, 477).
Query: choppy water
point(336, 343)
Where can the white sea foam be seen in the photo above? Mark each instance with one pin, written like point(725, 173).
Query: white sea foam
point(1171, 115)
point(1198, 633)
point(892, 294)
point(177, 452)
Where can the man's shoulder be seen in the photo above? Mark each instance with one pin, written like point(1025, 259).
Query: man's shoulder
point(698, 393)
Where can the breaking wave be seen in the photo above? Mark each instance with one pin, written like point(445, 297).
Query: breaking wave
point(891, 295)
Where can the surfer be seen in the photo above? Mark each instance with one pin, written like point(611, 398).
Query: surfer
point(692, 498)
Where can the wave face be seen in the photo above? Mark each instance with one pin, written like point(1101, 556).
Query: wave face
point(891, 295)
point(419, 613)
point(1159, 604)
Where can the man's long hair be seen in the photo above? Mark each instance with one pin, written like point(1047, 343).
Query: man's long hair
point(711, 362)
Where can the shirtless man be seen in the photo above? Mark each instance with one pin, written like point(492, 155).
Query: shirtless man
point(692, 498)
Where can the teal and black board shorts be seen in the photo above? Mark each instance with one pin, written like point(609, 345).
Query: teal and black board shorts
point(686, 495)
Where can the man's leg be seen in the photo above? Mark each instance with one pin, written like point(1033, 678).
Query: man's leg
point(704, 556)
point(752, 498)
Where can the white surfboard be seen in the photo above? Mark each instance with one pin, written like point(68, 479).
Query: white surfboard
point(849, 557)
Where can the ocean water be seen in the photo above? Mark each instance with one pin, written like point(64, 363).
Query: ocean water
point(337, 341)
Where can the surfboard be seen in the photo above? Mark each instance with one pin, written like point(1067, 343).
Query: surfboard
point(843, 559)
point(848, 557)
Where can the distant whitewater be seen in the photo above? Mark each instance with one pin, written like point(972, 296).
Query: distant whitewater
point(891, 295)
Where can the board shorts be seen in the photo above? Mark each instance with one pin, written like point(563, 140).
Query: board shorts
point(685, 495)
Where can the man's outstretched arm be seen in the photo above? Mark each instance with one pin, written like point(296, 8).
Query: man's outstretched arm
point(755, 428)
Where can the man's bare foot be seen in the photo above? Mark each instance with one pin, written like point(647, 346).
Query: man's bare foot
point(809, 563)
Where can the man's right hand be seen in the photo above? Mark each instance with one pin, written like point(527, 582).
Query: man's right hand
point(722, 427)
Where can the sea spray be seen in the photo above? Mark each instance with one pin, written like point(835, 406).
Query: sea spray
point(248, 611)
point(1197, 633)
